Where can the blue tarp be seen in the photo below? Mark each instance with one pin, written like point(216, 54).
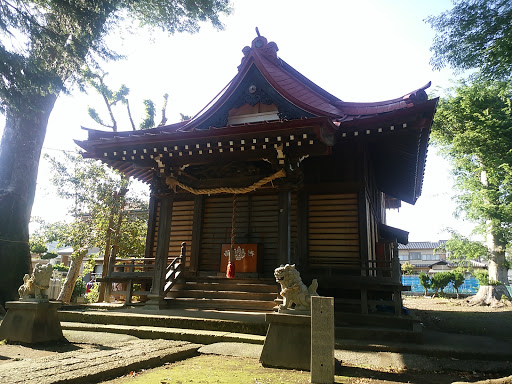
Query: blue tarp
point(470, 285)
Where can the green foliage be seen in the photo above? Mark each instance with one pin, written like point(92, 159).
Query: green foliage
point(96, 193)
point(407, 268)
point(93, 295)
point(440, 280)
point(425, 281)
point(475, 34)
point(61, 267)
point(457, 278)
point(482, 275)
point(78, 289)
point(473, 130)
point(111, 98)
point(89, 265)
point(149, 118)
point(51, 41)
point(38, 246)
point(463, 249)
point(49, 255)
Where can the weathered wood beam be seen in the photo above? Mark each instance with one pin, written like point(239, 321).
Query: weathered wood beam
point(197, 223)
point(162, 250)
point(284, 227)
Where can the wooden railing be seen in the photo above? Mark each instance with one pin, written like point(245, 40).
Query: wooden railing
point(175, 269)
point(127, 272)
point(137, 265)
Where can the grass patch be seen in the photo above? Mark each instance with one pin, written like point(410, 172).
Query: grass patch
point(218, 370)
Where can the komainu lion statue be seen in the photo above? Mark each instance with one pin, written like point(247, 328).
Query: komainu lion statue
point(293, 290)
point(36, 286)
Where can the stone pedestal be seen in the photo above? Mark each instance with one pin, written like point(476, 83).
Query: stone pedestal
point(288, 342)
point(31, 322)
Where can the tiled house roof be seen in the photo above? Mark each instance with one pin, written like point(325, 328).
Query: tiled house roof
point(420, 245)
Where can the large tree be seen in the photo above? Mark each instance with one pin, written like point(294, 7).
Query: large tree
point(475, 34)
point(43, 47)
point(473, 128)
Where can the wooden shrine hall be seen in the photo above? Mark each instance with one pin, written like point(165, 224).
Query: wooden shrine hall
point(286, 170)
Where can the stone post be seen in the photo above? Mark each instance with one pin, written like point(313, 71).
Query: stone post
point(322, 340)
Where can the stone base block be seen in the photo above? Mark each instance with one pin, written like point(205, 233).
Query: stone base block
point(31, 322)
point(288, 342)
point(155, 303)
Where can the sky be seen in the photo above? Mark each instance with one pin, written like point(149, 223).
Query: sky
point(365, 50)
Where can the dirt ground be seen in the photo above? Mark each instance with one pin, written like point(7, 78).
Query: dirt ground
point(441, 314)
point(451, 315)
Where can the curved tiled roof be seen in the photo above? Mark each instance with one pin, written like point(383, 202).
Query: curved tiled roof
point(300, 91)
point(353, 110)
point(397, 130)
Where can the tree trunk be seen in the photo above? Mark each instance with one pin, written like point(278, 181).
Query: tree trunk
point(489, 295)
point(497, 265)
point(20, 150)
point(498, 270)
point(73, 273)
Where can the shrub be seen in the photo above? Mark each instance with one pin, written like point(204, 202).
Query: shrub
point(61, 267)
point(79, 288)
point(93, 295)
point(440, 280)
point(425, 281)
point(457, 280)
point(49, 255)
point(37, 247)
point(407, 268)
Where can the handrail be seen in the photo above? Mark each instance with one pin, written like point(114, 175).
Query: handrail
point(175, 269)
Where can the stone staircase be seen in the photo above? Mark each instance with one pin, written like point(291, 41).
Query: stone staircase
point(220, 293)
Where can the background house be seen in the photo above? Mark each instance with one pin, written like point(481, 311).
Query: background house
point(424, 255)
point(430, 257)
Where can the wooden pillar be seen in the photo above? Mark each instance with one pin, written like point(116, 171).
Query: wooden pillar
point(302, 230)
point(162, 251)
point(363, 230)
point(197, 223)
point(284, 227)
point(150, 235)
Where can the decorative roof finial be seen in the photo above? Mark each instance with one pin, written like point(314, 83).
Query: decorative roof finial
point(258, 32)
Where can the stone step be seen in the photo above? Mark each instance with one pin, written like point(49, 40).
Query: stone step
point(221, 304)
point(255, 324)
point(184, 334)
point(238, 295)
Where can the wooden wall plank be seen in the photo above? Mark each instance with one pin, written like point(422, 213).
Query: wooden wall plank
point(333, 233)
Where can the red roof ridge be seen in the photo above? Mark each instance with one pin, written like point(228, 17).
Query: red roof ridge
point(290, 83)
point(410, 99)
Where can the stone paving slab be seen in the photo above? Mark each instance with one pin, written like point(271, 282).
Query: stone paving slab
point(96, 362)
point(149, 332)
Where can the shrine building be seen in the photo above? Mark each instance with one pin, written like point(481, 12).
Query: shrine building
point(281, 171)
